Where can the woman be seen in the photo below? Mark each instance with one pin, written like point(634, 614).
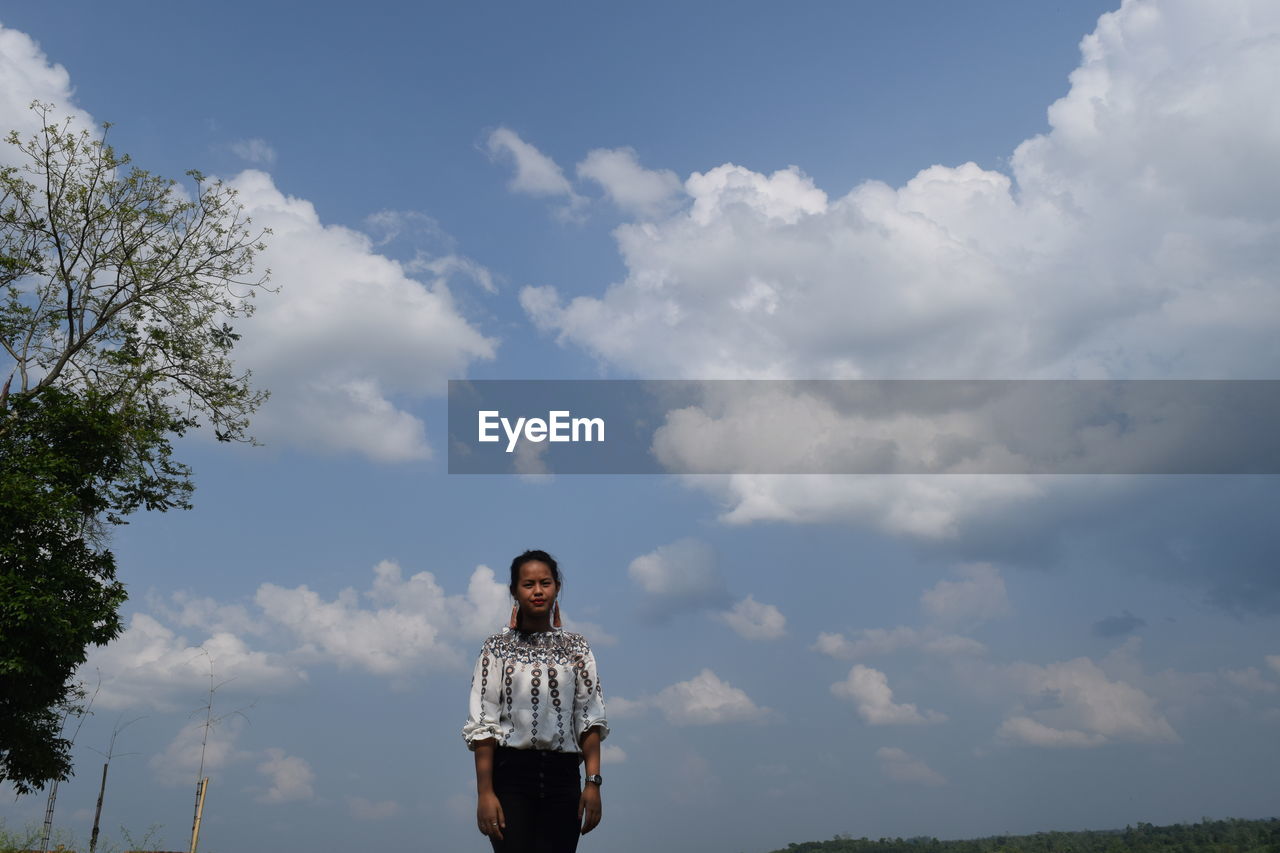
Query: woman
point(536, 712)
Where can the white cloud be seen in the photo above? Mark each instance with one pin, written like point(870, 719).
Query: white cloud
point(1075, 703)
point(185, 755)
point(1135, 239)
point(1091, 255)
point(536, 173)
point(348, 333)
point(630, 186)
point(256, 151)
point(27, 75)
point(444, 266)
point(870, 693)
point(291, 777)
point(1028, 731)
point(149, 665)
point(610, 754)
point(755, 621)
point(407, 623)
point(930, 507)
point(882, 641)
point(394, 627)
point(679, 576)
point(363, 809)
point(706, 700)
point(979, 597)
point(1273, 661)
point(901, 767)
point(193, 611)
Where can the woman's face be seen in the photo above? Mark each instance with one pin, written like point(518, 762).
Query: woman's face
point(536, 588)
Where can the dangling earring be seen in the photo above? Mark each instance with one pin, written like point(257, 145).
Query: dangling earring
point(555, 616)
point(514, 623)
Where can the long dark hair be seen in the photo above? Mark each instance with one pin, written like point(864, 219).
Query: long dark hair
point(530, 557)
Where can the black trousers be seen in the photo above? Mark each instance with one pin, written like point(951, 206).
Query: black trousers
point(539, 792)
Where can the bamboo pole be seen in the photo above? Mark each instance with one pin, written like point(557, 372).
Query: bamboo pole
point(195, 826)
point(97, 814)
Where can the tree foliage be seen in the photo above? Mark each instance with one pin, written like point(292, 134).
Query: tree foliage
point(117, 289)
point(1233, 835)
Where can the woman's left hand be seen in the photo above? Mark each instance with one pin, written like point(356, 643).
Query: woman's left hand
point(589, 805)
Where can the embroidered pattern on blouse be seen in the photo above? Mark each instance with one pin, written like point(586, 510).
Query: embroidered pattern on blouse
point(537, 647)
point(530, 671)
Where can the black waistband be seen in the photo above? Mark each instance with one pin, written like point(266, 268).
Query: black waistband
point(539, 755)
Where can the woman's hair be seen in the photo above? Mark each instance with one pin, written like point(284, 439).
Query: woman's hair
point(529, 557)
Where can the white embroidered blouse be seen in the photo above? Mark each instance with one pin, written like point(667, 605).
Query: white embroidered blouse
point(535, 690)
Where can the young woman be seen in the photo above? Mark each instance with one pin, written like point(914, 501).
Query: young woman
point(537, 711)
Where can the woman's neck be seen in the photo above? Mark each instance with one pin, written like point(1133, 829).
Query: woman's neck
point(532, 625)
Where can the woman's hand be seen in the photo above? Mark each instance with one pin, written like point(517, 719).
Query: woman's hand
point(489, 815)
point(589, 805)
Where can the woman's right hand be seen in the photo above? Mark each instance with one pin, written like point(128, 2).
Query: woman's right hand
point(489, 816)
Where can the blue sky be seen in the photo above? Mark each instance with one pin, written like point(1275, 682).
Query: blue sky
point(911, 190)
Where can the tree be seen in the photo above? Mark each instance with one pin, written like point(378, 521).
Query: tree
point(118, 292)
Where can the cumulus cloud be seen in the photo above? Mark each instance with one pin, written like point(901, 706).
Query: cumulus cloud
point(27, 75)
point(290, 777)
point(902, 767)
point(755, 621)
point(680, 576)
point(978, 597)
point(706, 700)
point(950, 603)
point(1075, 703)
point(187, 610)
point(347, 336)
point(1135, 239)
point(396, 625)
point(631, 187)
point(149, 665)
point(190, 751)
point(932, 508)
point(611, 754)
point(1273, 661)
point(871, 695)
point(968, 272)
point(1027, 731)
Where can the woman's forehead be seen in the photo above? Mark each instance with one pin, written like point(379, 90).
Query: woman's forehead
point(535, 570)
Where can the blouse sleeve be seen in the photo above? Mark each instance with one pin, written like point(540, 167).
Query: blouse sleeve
point(484, 711)
point(588, 700)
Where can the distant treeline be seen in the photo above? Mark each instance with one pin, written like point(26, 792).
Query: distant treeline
point(1220, 836)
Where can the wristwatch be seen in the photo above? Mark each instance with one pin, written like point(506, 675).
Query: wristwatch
point(597, 778)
